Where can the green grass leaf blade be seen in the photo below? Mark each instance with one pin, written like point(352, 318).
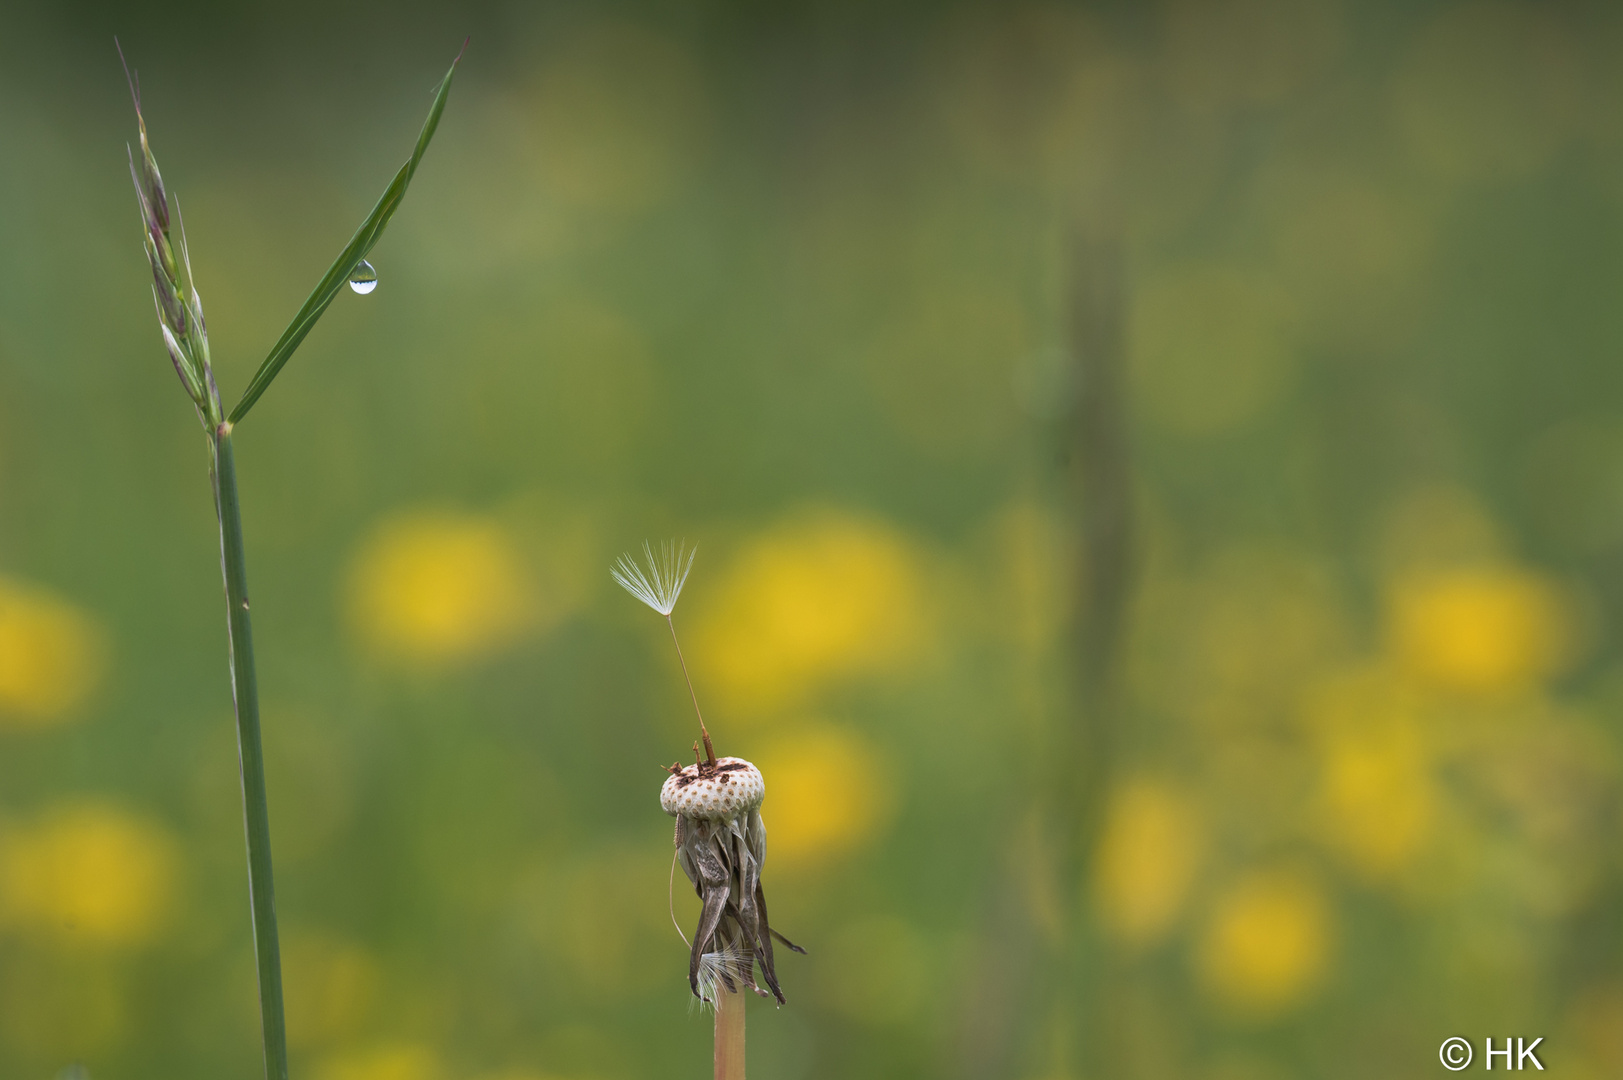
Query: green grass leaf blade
point(356, 250)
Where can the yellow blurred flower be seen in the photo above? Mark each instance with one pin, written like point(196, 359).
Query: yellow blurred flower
point(396, 1061)
point(439, 587)
point(1377, 794)
point(826, 793)
point(1380, 799)
point(51, 656)
point(90, 872)
point(1152, 846)
point(1481, 630)
point(1268, 944)
point(823, 597)
point(331, 984)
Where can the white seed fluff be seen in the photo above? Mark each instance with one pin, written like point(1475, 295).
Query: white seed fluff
point(661, 583)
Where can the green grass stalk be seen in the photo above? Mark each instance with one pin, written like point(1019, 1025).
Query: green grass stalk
point(250, 755)
point(185, 337)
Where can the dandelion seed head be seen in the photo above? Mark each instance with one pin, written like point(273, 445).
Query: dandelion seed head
point(661, 582)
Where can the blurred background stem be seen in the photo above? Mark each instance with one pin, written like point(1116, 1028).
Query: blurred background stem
point(1088, 736)
point(250, 755)
point(1051, 963)
point(1102, 475)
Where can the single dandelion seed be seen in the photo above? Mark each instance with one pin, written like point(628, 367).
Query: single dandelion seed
point(659, 586)
point(363, 279)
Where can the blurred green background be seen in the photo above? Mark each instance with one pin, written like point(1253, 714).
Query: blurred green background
point(830, 290)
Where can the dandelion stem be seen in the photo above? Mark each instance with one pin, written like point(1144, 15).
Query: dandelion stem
point(729, 1033)
point(250, 755)
point(708, 750)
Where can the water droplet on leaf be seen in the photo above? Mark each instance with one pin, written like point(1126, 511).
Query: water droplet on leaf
point(363, 279)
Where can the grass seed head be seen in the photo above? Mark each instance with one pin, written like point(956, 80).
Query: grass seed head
point(149, 185)
point(180, 311)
